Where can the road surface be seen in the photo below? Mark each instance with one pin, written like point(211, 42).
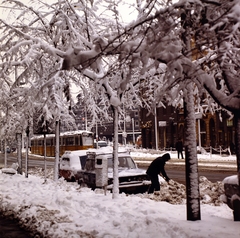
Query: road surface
point(174, 169)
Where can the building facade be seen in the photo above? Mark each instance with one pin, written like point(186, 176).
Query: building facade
point(213, 130)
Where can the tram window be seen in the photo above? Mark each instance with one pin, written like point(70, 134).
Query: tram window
point(48, 142)
point(76, 140)
point(63, 141)
point(69, 140)
point(40, 142)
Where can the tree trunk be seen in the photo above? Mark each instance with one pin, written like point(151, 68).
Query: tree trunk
point(45, 160)
point(57, 149)
point(192, 183)
point(26, 161)
point(115, 191)
point(19, 152)
point(237, 143)
point(5, 153)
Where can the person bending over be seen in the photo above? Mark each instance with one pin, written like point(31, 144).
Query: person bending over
point(156, 168)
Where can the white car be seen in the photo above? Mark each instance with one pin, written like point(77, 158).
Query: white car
point(232, 195)
point(98, 171)
point(70, 163)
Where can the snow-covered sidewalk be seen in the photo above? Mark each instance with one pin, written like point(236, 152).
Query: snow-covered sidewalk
point(61, 209)
point(204, 160)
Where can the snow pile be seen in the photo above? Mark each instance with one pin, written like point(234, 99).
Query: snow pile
point(172, 192)
point(11, 170)
point(61, 209)
point(210, 192)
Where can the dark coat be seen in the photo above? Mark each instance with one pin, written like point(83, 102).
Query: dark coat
point(179, 146)
point(157, 166)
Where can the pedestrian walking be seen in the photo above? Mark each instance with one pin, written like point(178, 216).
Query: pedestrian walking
point(179, 148)
point(156, 168)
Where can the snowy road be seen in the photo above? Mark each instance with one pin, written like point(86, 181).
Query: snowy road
point(215, 170)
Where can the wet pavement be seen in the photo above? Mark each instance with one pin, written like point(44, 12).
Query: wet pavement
point(10, 229)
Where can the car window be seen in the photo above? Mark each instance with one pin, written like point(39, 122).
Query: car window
point(65, 159)
point(124, 162)
point(83, 160)
point(100, 144)
point(90, 163)
point(110, 162)
point(131, 163)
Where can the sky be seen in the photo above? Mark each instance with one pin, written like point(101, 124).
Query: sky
point(61, 209)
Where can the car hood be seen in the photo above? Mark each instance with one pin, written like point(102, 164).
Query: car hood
point(127, 172)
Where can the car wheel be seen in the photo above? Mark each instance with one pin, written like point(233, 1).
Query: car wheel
point(236, 209)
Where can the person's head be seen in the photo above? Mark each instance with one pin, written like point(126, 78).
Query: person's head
point(166, 157)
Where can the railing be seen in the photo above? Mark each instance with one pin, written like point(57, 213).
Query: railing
point(200, 150)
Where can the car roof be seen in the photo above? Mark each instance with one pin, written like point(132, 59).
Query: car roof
point(106, 150)
point(75, 152)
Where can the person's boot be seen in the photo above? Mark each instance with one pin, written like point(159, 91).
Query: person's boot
point(157, 193)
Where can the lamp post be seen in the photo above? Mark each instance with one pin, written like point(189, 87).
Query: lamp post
point(26, 161)
point(133, 131)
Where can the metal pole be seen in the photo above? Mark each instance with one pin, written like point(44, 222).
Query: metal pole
point(124, 134)
point(57, 150)
point(5, 153)
point(96, 135)
point(85, 118)
point(156, 131)
point(27, 142)
point(133, 131)
point(124, 130)
point(199, 134)
point(45, 162)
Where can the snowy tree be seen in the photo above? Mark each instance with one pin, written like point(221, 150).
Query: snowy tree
point(214, 30)
point(74, 37)
point(49, 46)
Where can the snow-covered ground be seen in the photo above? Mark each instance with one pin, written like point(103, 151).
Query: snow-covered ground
point(61, 209)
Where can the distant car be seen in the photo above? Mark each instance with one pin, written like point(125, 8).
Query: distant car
point(100, 144)
point(70, 163)
point(232, 195)
point(98, 172)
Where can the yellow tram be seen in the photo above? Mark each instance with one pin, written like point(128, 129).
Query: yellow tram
point(71, 140)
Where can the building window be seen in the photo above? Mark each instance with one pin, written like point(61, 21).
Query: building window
point(229, 122)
